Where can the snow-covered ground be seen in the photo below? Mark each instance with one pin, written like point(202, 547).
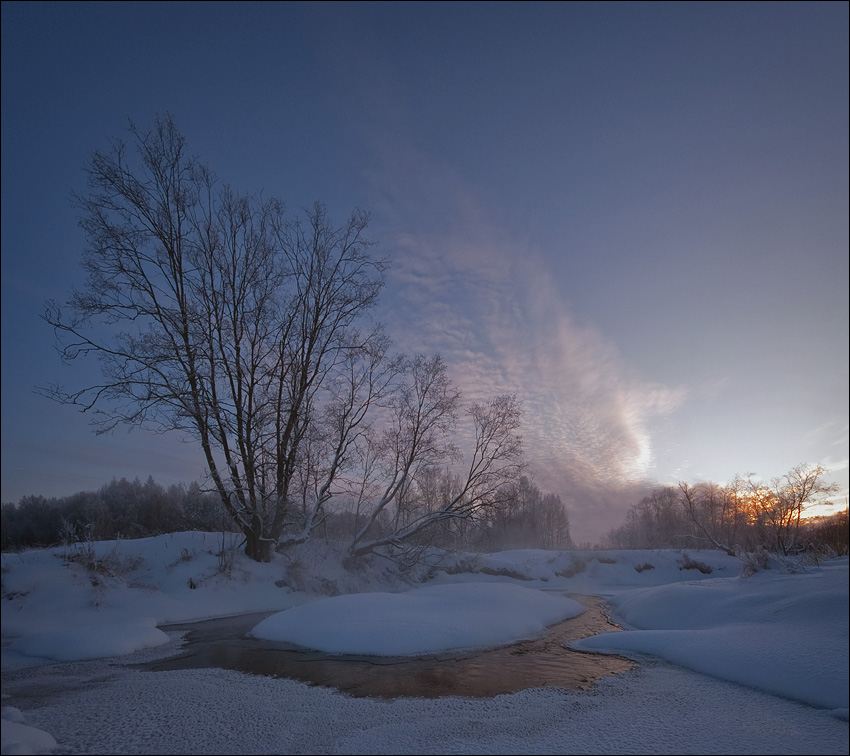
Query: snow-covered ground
point(727, 664)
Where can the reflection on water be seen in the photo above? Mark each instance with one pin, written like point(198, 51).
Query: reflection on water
point(528, 664)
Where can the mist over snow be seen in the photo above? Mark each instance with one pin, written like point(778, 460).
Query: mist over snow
point(489, 304)
point(726, 664)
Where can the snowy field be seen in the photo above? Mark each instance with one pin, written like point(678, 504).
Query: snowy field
point(727, 664)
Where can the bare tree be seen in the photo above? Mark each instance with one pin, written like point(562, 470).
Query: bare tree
point(789, 496)
point(363, 382)
point(213, 314)
point(700, 505)
point(767, 515)
point(418, 436)
point(526, 519)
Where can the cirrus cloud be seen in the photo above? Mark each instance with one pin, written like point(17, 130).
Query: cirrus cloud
point(489, 305)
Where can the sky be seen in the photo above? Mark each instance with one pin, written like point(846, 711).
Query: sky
point(632, 215)
point(765, 655)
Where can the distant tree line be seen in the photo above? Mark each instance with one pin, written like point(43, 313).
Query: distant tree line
point(120, 509)
point(743, 516)
point(526, 518)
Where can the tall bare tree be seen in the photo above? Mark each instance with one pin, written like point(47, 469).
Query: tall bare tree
point(214, 314)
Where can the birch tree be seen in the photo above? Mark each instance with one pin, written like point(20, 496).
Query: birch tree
point(420, 435)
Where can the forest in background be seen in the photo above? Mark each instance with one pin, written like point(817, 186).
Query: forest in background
point(528, 518)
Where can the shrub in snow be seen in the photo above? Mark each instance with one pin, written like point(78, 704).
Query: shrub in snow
point(753, 561)
point(578, 564)
point(110, 565)
point(686, 563)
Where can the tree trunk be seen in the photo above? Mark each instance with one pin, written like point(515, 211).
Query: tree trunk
point(259, 549)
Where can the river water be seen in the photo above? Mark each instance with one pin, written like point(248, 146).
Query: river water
point(528, 664)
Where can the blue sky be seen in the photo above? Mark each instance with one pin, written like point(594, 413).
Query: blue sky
point(634, 215)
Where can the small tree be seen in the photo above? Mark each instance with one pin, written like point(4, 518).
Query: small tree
point(416, 439)
point(831, 532)
point(700, 504)
point(792, 494)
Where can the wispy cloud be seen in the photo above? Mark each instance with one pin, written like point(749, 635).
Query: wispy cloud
point(487, 302)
